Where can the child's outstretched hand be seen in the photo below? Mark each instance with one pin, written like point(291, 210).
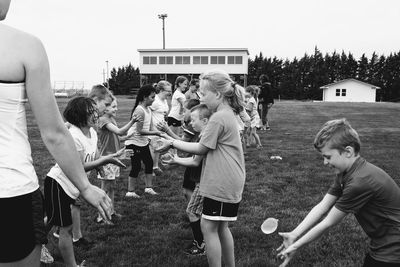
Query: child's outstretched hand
point(286, 250)
point(115, 158)
point(162, 126)
point(168, 159)
point(162, 145)
point(135, 118)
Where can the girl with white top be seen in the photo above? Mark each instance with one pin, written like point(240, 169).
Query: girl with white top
point(176, 114)
point(60, 193)
point(25, 76)
point(223, 175)
point(139, 141)
point(251, 109)
point(159, 112)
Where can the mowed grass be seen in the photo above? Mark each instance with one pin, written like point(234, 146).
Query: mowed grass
point(154, 229)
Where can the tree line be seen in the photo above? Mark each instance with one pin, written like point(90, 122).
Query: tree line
point(301, 78)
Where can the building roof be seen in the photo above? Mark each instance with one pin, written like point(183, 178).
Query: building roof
point(350, 79)
point(194, 50)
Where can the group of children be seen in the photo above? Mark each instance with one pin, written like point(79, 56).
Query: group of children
point(215, 173)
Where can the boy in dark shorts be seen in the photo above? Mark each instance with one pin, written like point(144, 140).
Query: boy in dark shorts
point(360, 188)
point(199, 118)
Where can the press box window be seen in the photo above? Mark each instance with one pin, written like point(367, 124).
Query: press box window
point(235, 60)
point(149, 60)
point(217, 59)
point(343, 92)
point(337, 92)
point(165, 60)
point(182, 60)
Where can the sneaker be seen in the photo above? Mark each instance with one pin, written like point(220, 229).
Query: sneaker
point(195, 249)
point(56, 233)
point(82, 242)
point(150, 191)
point(268, 128)
point(132, 195)
point(157, 171)
point(45, 256)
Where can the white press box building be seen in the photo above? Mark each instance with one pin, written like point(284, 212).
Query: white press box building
point(167, 64)
point(349, 90)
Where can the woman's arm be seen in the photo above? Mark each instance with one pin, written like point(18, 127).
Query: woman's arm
point(192, 148)
point(187, 162)
point(55, 135)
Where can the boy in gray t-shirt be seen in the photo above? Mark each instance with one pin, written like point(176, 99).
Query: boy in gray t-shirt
point(359, 188)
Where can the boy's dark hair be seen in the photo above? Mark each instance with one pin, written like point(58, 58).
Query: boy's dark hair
point(79, 110)
point(191, 103)
point(264, 78)
point(338, 134)
point(194, 81)
point(143, 92)
point(204, 111)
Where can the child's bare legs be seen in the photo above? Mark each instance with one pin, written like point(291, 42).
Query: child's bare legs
point(256, 137)
point(66, 247)
point(187, 193)
point(219, 241)
point(148, 180)
point(108, 187)
point(227, 245)
point(76, 222)
point(131, 183)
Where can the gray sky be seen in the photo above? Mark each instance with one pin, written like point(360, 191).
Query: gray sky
point(80, 35)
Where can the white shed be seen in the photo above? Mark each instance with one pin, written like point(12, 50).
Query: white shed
point(193, 61)
point(349, 90)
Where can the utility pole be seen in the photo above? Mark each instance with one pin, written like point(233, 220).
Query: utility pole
point(108, 86)
point(163, 16)
point(104, 76)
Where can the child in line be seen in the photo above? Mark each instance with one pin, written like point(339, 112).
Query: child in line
point(199, 115)
point(60, 193)
point(109, 144)
point(360, 188)
point(189, 135)
point(176, 114)
point(159, 112)
point(139, 141)
point(251, 109)
point(102, 97)
point(193, 91)
point(223, 175)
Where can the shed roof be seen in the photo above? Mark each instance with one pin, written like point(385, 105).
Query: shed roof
point(349, 79)
point(194, 50)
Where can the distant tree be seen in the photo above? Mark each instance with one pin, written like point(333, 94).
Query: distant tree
point(124, 79)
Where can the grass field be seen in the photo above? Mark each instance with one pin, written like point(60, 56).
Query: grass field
point(154, 230)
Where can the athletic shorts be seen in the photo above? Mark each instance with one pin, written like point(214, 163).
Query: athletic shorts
point(21, 226)
point(188, 183)
point(195, 205)
point(370, 262)
point(57, 203)
point(111, 171)
point(214, 210)
point(174, 122)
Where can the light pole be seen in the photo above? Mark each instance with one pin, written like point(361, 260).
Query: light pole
point(108, 86)
point(163, 16)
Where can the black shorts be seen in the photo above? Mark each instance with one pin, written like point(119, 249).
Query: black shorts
point(21, 226)
point(188, 183)
point(174, 122)
point(214, 210)
point(57, 203)
point(370, 262)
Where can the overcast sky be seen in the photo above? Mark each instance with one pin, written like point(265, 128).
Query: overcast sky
point(80, 35)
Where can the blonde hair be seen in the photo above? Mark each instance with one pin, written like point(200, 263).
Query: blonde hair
point(219, 81)
point(338, 134)
point(160, 86)
point(100, 92)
